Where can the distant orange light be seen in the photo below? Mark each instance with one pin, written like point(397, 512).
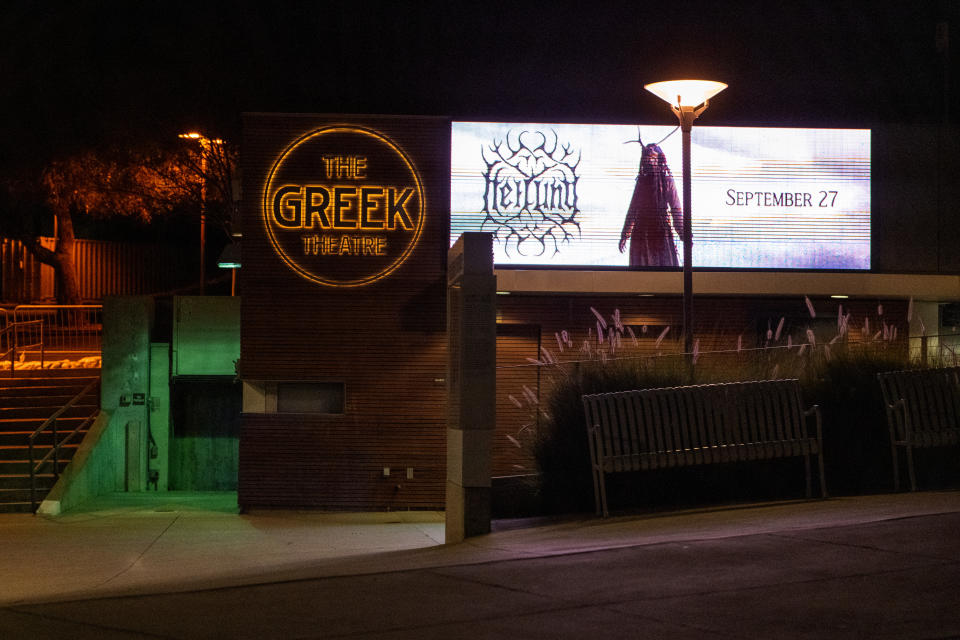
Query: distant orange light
point(205, 142)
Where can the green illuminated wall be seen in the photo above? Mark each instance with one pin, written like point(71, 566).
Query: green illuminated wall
point(204, 396)
point(206, 335)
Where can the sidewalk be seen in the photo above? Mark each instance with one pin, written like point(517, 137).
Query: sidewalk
point(190, 566)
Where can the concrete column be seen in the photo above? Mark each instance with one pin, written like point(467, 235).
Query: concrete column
point(159, 404)
point(925, 331)
point(471, 384)
point(125, 379)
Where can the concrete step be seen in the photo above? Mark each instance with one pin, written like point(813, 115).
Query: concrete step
point(17, 453)
point(15, 507)
point(22, 423)
point(54, 377)
point(49, 373)
point(15, 474)
point(27, 399)
point(70, 388)
point(27, 396)
point(8, 387)
point(19, 437)
point(15, 492)
point(13, 482)
point(42, 412)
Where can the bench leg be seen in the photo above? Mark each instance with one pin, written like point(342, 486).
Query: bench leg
point(823, 476)
point(600, 491)
point(896, 466)
point(913, 477)
point(603, 494)
point(806, 464)
point(597, 480)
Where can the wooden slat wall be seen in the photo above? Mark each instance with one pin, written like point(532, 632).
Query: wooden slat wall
point(518, 383)
point(385, 341)
point(721, 323)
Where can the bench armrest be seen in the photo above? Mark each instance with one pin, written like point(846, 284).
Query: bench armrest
point(900, 403)
point(898, 420)
point(815, 411)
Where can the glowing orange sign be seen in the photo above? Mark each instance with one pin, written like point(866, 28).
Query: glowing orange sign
point(343, 206)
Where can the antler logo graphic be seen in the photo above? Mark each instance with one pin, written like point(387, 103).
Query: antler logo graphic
point(530, 194)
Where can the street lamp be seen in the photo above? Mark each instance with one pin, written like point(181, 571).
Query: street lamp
point(688, 99)
point(206, 147)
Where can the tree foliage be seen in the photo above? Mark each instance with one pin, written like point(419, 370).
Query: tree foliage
point(142, 184)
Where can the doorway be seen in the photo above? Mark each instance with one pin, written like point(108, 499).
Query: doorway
point(205, 434)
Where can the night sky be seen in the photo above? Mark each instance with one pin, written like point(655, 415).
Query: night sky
point(79, 74)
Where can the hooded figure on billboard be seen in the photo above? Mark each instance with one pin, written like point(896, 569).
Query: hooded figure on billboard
point(653, 207)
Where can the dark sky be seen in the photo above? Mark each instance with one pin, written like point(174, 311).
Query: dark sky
point(86, 73)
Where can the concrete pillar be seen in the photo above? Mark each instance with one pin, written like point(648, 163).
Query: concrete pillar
point(125, 379)
point(160, 411)
point(471, 384)
point(925, 331)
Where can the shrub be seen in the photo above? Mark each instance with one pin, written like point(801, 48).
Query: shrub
point(856, 439)
point(561, 448)
point(843, 384)
point(839, 376)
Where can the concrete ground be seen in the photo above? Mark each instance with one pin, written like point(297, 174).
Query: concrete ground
point(189, 566)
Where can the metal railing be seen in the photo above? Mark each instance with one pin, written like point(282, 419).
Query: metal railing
point(7, 340)
point(68, 327)
point(11, 336)
point(40, 329)
point(54, 453)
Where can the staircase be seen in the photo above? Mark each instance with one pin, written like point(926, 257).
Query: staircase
point(26, 401)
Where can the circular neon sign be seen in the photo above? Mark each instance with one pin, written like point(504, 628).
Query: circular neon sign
point(343, 206)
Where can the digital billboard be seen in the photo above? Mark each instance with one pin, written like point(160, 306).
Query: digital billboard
point(611, 195)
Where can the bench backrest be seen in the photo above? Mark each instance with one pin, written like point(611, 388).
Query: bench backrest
point(696, 416)
point(931, 398)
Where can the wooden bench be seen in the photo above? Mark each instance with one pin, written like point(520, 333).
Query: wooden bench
point(698, 424)
point(923, 410)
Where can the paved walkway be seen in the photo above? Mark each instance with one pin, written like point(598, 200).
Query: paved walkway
point(181, 566)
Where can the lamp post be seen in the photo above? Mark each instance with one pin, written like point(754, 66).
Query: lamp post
point(206, 147)
point(688, 99)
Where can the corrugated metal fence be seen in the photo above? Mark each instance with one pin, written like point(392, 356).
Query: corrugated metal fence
point(23, 278)
point(103, 268)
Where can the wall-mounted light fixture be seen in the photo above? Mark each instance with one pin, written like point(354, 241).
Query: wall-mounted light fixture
point(230, 259)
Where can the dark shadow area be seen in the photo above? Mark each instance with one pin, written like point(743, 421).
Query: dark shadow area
point(205, 416)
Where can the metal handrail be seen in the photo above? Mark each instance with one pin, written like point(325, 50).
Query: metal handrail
point(57, 444)
point(13, 328)
point(21, 309)
point(4, 331)
point(29, 310)
point(84, 324)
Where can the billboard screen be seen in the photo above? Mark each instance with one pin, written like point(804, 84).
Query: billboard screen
point(611, 195)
